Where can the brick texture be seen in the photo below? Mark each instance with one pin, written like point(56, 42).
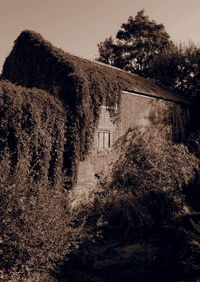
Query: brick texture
point(135, 110)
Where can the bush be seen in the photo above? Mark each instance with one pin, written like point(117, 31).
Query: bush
point(193, 191)
point(141, 203)
point(38, 229)
point(34, 229)
point(193, 143)
point(145, 185)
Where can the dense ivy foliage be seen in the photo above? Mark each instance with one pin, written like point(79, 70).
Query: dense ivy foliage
point(31, 156)
point(82, 85)
point(37, 226)
point(32, 126)
point(173, 120)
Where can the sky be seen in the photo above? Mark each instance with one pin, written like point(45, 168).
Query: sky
point(77, 26)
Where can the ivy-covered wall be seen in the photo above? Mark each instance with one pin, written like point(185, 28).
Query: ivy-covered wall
point(81, 86)
point(32, 129)
point(171, 119)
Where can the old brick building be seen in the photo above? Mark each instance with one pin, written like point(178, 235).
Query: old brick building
point(137, 109)
point(90, 91)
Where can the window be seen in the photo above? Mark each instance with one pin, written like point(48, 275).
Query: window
point(103, 139)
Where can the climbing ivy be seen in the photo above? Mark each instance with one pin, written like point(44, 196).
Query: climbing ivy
point(81, 85)
point(32, 127)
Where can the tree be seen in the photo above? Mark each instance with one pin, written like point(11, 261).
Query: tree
point(106, 51)
point(178, 69)
point(137, 44)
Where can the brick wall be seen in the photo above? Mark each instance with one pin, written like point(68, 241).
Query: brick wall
point(135, 110)
point(104, 124)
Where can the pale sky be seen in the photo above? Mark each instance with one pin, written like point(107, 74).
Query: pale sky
point(78, 25)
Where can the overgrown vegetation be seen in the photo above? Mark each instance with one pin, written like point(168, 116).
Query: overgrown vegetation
point(31, 156)
point(32, 126)
point(193, 191)
point(143, 204)
point(38, 229)
point(151, 173)
point(142, 192)
point(172, 120)
point(42, 140)
point(83, 86)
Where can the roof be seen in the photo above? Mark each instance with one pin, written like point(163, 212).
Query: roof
point(146, 87)
point(73, 64)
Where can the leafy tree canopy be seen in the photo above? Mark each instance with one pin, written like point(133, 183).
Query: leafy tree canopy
point(144, 47)
point(137, 44)
point(178, 69)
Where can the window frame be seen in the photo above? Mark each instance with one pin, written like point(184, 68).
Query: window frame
point(106, 144)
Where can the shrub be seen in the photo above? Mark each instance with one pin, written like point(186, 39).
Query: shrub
point(141, 203)
point(193, 191)
point(38, 229)
point(145, 185)
point(33, 229)
point(193, 143)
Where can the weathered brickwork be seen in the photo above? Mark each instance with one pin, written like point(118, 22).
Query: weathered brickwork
point(143, 111)
point(135, 110)
point(104, 124)
point(98, 158)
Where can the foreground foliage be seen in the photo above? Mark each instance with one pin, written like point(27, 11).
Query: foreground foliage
point(149, 232)
point(37, 227)
point(150, 175)
point(41, 229)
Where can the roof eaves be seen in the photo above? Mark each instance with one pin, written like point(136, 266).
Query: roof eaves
point(176, 99)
